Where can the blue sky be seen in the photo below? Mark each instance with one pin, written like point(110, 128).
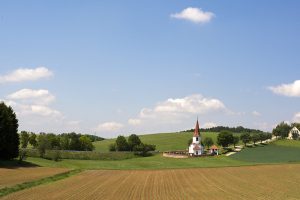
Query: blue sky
point(120, 67)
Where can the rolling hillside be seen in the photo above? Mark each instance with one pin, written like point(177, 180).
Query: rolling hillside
point(163, 141)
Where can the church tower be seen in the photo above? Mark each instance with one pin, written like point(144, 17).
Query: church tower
point(196, 149)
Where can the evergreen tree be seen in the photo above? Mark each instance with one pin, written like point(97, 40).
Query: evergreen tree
point(9, 137)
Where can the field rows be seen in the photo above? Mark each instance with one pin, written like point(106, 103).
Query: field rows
point(253, 182)
point(13, 176)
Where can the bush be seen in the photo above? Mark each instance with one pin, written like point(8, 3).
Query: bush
point(112, 147)
point(144, 149)
point(22, 154)
point(225, 138)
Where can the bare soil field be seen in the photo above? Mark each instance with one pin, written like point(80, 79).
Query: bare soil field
point(251, 182)
point(13, 176)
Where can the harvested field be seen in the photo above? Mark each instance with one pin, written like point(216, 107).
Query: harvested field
point(252, 182)
point(14, 176)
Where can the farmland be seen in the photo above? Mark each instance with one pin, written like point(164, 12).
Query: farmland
point(13, 176)
point(251, 182)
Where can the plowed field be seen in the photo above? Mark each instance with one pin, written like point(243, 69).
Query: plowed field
point(10, 177)
point(253, 182)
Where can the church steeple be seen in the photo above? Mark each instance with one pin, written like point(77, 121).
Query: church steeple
point(197, 131)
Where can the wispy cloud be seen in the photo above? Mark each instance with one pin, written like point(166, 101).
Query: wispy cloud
point(25, 74)
point(195, 15)
point(256, 113)
point(297, 117)
point(290, 90)
point(33, 96)
point(109, 127)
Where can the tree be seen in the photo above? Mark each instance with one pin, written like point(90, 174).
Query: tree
point(32, 140)
point(282, 130)
point(43, 144)
point(208, 142)
point(225, 138)
point(86, 143)
point(236, 140)
point(255, 137)
point(245, 137)
point(121, 143)
point(112, 147)
point(133, 140)
point(143, 149)
point(24, 139)
point(9, 138)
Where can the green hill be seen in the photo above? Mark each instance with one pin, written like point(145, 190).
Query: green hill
point(163, 141)
point(280, 151)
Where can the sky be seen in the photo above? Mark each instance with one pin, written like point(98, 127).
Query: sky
point(120, 67)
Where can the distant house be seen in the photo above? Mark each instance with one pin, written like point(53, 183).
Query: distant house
point(293, 131)
point(196, 149)
point(214, 150)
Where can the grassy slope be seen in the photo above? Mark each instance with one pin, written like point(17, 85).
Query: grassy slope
point(153, 162)
point(281, 151)
point(163, 141)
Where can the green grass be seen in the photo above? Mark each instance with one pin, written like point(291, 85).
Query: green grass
point(281, 151)
point(23, 186)
point(163, 141)
point(154, 162)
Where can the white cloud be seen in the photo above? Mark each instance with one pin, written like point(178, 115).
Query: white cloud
point(41, 110)
point(36, 96)
point(256, 113)
point(109, 127)
point(196, 15)
point(25, 74)
point(134, 122)
point(297, 117)
point(174, 110)
point(290, 90)
point(209, 125)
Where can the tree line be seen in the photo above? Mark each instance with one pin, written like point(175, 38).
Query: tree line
point(226, 138)
point(66, 141)
point(238, 129)
point(133, 144)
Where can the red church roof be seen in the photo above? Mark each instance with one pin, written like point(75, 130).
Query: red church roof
point(197, 132)
point(197, 147)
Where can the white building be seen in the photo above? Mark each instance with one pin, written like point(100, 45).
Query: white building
point(196, 149)
point(293, 131)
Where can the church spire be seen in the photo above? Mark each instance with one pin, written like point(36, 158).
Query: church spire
point(196, 132)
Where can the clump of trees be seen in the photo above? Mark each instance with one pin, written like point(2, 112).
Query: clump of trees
point(283, 129)
point(65, 141)
point(133, 144)
point(9, 138)
point(238, 129)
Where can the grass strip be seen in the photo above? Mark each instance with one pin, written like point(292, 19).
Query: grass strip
point(8, 190)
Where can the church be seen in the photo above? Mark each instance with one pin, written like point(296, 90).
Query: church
point(196, 149)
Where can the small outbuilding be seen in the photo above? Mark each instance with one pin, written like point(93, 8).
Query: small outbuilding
point(214, 150)
point(294, 131)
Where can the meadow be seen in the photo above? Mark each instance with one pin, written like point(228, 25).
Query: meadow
point(252, 182)
point(163, 141)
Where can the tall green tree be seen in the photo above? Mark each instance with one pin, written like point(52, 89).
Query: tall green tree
point(255, 137)
point(282, 130)
point(133, 140)
point(86, 143)
point(225, 138)
point(9, 137)
point(245, 137)
point(24, 139)
point(236, 140)
point(43, 144)
point(33, 140)
point(208, 142)
point(121, 143)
